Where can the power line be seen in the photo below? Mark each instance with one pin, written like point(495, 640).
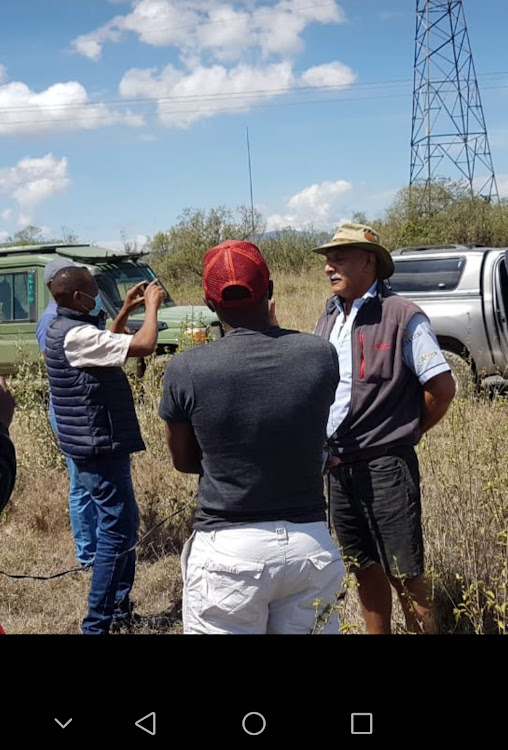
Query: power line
point(182, 98)
point(214, 110)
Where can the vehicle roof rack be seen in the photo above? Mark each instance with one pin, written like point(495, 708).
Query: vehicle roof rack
point(83, 253)
point(50, 247)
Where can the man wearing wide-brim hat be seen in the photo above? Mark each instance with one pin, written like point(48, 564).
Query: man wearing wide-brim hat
point(394, 385)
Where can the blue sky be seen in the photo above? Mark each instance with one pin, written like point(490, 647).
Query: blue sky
point(115, 116)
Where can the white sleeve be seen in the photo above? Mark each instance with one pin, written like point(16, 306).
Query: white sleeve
point(88, 346)
point(421, 351)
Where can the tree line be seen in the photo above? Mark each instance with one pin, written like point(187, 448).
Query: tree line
point(442, 213)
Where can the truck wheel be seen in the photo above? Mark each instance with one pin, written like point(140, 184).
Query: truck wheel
point(463, 374)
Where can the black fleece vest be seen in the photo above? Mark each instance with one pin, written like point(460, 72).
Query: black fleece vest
point(94, 408)
point(386, 397)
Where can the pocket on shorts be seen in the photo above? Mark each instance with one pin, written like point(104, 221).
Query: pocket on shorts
point(321, 560)
point(229, 586)
point(326, 574)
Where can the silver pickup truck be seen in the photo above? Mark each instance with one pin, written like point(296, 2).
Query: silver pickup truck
point(464, 291)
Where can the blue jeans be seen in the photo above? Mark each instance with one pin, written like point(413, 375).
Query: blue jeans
point(82, 511)
point(109, 482)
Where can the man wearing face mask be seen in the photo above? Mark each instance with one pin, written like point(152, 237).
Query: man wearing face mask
point(97, 425)
point(82, 511)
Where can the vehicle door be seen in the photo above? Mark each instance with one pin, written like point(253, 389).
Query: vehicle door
point(496, 306)
point(18, 315)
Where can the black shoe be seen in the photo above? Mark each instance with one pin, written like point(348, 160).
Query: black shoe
point(126, 624)
point(135, 621)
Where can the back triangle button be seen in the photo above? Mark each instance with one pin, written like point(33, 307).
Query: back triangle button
point(147, 723)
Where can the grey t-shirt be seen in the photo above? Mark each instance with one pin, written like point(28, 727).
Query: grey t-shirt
point(258, 402)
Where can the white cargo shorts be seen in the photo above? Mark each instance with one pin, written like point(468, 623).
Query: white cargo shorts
point(273, 577)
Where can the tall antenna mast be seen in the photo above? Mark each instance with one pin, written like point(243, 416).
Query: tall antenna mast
point(250, 185)
point(449, 135)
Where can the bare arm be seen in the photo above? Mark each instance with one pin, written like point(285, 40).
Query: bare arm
point(438, 393)
point(183, 447)
point(144, 341)
point(133, 299)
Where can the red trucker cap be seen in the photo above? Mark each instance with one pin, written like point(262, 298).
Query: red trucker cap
point(235, 263)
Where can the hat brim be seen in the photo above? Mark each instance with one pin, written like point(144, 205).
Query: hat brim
point(384, 258)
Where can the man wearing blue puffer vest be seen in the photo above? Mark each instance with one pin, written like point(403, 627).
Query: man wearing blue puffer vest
point(98, 427)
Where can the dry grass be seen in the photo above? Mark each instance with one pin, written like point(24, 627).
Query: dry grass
point(299, 298)
point(465, 498)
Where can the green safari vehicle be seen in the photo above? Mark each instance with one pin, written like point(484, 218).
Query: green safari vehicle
point(24, 296)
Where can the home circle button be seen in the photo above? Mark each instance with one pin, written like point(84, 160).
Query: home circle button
point(254, 723)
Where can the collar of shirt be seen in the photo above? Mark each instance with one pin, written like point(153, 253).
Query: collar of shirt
point(342, 327)
point(340, 337)
point(371, 292)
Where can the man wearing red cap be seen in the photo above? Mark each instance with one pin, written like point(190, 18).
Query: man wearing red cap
point(248, 414)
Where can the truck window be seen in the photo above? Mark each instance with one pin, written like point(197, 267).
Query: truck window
point(115, 281)
point(426, 274)
point(17, 301)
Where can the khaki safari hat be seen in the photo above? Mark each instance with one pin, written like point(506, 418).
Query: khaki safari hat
point(361, 236)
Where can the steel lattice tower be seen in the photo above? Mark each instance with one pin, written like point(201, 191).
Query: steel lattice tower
point(449, 135)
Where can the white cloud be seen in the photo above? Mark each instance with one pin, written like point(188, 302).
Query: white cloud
point(162, 23)
point(182, 99)
point(141, 240)
point(318, 205)
point(281, 27)
point(3, 74)
point(90, 45)
point(62, 106)
point(186, 97)
point(216, 42)
point(23, 220)
point(226, 40)
point(223, 30)
point(7, 214)
point(118, 246)
point(330, 74)
point(32, 181)
point(137, 243)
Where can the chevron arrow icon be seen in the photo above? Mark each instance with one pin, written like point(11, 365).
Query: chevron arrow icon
point(62, 724)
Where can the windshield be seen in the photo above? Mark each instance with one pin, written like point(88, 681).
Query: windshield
point(115, 281)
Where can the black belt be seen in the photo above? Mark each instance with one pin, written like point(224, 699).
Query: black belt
point(369, 453)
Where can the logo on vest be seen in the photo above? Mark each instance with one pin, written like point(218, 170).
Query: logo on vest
point(382, 345)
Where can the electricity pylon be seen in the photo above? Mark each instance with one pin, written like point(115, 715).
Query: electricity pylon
point(449, 135)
